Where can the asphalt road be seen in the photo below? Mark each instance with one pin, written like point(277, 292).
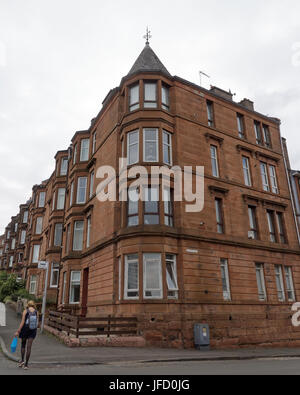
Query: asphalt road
point(279, 366)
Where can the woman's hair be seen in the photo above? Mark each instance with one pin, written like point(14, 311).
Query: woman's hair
point(31, 303)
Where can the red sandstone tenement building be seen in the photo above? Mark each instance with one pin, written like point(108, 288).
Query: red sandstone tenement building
point(235, 265)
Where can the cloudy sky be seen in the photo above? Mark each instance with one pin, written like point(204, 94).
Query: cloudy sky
point(59, 59)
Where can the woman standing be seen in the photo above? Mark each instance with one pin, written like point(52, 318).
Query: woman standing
point(27, 332)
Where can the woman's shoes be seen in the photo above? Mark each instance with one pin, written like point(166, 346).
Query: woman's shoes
point(26, 367)
point(21, 364)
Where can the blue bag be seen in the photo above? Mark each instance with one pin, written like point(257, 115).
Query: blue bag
point(14, 345)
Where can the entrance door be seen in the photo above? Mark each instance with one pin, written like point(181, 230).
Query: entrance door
point(85, 290)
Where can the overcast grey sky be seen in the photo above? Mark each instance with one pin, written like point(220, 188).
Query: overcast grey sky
point(59, 59)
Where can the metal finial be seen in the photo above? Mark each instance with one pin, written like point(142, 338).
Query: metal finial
point(147, 36)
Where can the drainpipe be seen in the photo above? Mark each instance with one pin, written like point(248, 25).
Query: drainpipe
point(290, 188)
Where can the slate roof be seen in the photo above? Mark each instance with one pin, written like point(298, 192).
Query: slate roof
point(148, 62)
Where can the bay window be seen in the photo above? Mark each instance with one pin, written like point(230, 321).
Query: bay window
point(150, 144)
point(150, 94)
point(152, 274)
point(131, 284)
point(133, 147)
point(84, 150)
point(61, 198)
point(134, 97)
point(81, 190)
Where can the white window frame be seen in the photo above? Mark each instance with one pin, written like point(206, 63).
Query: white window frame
point(260, 280)
point(241, 126)
point(279, 283)
point(133, 290)
point(54, 268)
point(75, 154)
point(33, 280)
point(151, 141)
point(94, 141)
point(264, 176)
point(273, 179)
point(146, 258)
point(288, 275)
point(88, 232)
point(134, 105)
point(57, 226)
point(165, 106)
point(64, 167)
point(64, 288)
point(13, 244)
point(227, 292)
point(25, 217)
point(81, 187)
point(169, 147)
point(210, 113)
point(170, 290)
point(80, 235)
point(42, 199)
point(147, 102)
point(61, 196)
point(246, 171)
point(84, 150)
point(35, 253)
point(92, 179)
point(214, 160)
point(74, 282)
point(11, 261)
point(39, 226)
point(23, 237)
point(130, 161)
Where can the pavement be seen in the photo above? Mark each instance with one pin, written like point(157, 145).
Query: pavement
point(47, 350)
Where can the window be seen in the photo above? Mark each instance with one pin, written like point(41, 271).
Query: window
point(246, 170)
point(241, 125)
point(150, 145)
point(264, 176)
point(168, 207)
point(225, 279)
point(171, 276)
point(63, 298)
point(253, 223)
point(8, 234)
point(81, 190)
point(61, 199)
point(270, 216)
point(42, 198)
point(134, 97)
point(39, 225)
point(11, 261)
point(94, 142)
point(150, 94)
point(266, 134)
point(75, 287)
point(258, 134)
point(71, 193)
point(58, 235)
point(165, 97)
point(23, 237)
point(152, 276)
point(260, 278)
point(64, 166)
point(289, 284)
point(273, 179)
point(13, 244)
point(84, 150)
point(167, 148)
point(16, 228)
point(35, 254)
point(92, 177)
point(281, 232)
point(33, 285)
point(214, 160)
point(133, 147)
point(78, 236)
point(68, 238)
point(151, 206)
point(75, 154)
point(219, 215)
point(133, 207)
point(53, 202)
point(20, 257)
point(131, 286)
point(25, 217)
point(210, 113)
point(54, 275)
point(279, 283)
point(88, 232)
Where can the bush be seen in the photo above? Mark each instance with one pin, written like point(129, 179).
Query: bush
point(9, 286)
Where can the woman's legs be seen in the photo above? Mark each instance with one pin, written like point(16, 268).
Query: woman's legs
point(28, 352)
point(23, 347)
